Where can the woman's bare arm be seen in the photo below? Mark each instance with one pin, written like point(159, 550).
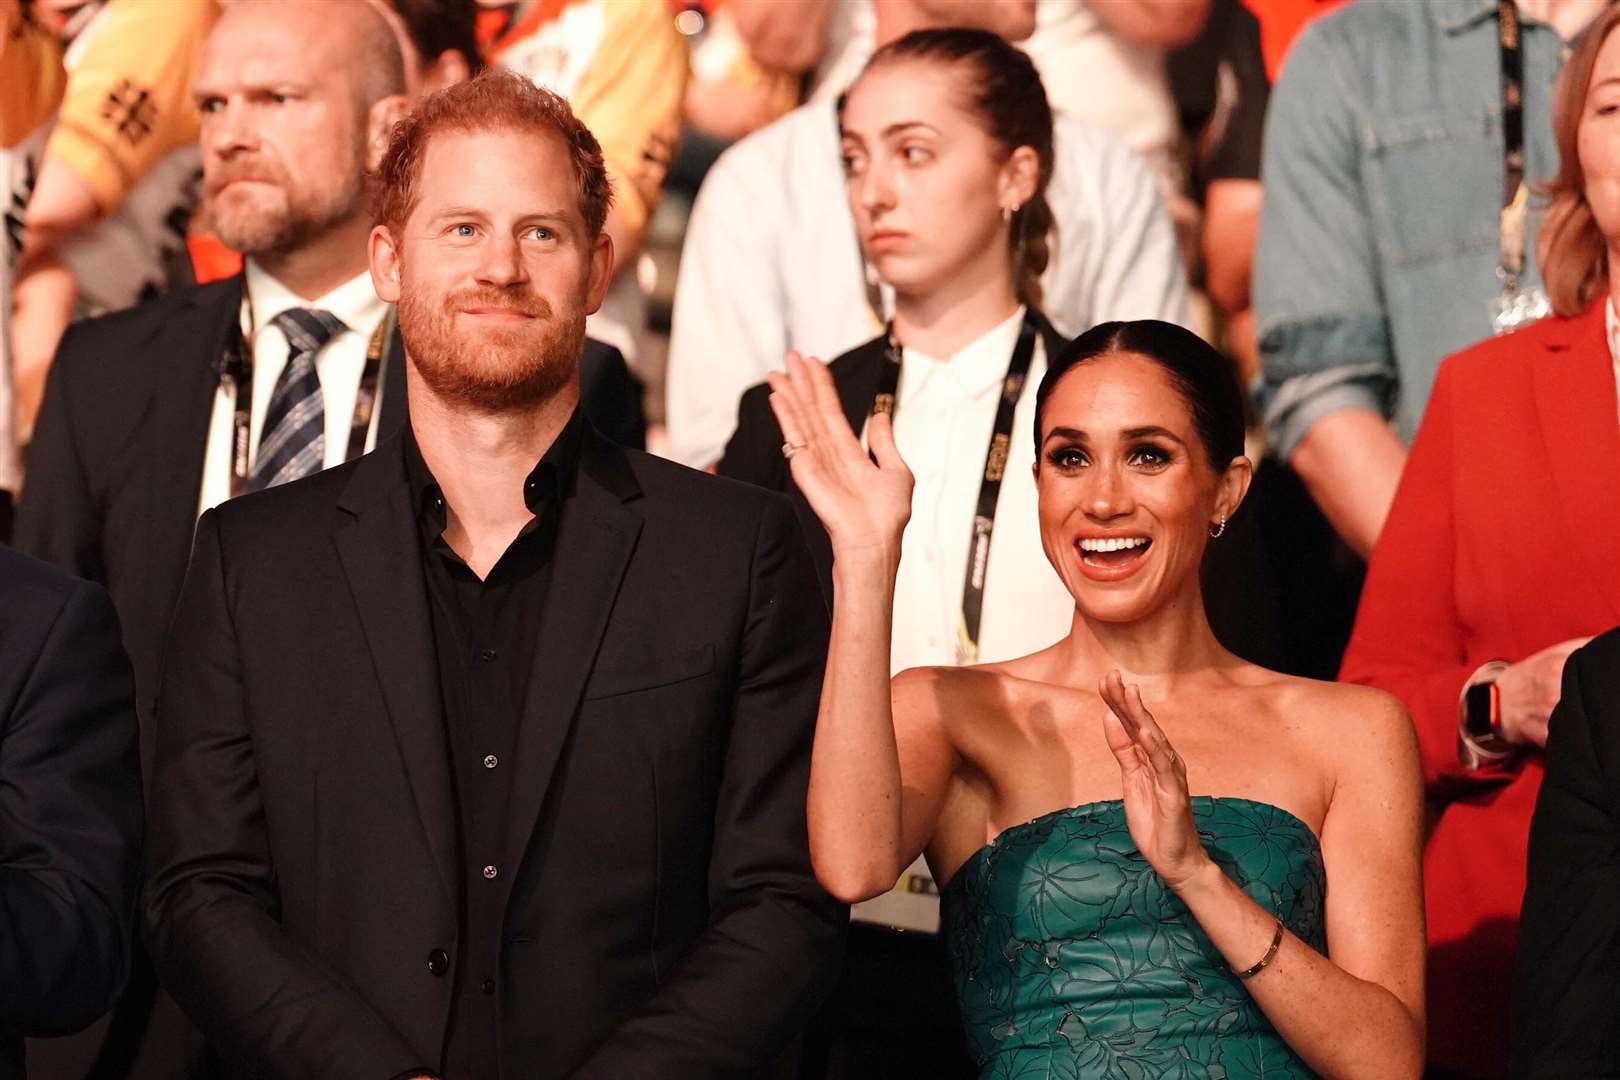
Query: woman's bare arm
point(873, 795)
point(1371, 847)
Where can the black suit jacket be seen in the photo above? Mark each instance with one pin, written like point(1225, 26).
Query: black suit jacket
point(1566, 997)
point(70, 805)
point(662, 919)
point(754, 453)
point(116, 462)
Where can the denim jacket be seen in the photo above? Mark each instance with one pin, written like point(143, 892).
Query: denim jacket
point(1383, 180)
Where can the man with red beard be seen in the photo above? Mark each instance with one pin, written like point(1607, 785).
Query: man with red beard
point(487, 754)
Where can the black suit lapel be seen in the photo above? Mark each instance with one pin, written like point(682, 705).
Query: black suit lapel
point(190, 350)
point(595, 538)
point(382, 557)
point(855, 376)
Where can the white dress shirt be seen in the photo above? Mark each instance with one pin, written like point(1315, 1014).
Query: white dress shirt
point(771, 262)
point(338, 366)
point(945, 411)
point(1611, 323)
point(943, 418)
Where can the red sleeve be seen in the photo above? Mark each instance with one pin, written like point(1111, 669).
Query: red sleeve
point(1408, 638)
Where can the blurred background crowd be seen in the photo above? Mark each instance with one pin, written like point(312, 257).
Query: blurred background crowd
point(1340, 196)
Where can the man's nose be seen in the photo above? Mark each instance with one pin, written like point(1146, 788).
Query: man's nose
point(502, 262)
point(228, 129)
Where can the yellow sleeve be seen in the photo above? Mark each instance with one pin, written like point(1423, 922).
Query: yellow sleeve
point(128, 100)
point(31, 75)
point(630, 98)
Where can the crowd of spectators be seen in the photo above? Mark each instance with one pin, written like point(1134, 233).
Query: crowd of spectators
point(1394, 219)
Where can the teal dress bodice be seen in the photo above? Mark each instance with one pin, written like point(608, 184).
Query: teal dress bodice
point(1074, 961)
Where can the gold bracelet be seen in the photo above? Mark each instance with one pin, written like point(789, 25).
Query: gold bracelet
point(1271, 954)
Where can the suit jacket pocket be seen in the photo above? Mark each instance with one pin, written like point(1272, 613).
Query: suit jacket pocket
point(627, 677)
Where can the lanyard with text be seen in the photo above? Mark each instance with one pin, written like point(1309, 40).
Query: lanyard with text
point(238, 370)
point(1514, 306)
point(995, 464)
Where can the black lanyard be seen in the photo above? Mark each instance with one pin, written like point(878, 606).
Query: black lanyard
point(1515, 195)
point(995, 465)
point(237, 369)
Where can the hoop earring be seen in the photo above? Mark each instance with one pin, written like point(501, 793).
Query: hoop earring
point(1218, 530)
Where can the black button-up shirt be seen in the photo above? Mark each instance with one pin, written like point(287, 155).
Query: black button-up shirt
point(486, 633)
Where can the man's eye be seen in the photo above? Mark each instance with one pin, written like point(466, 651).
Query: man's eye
point(210, 105)
point(464, 230)
point(541, 232)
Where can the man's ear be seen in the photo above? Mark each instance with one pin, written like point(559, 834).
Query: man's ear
point(601, 272)
point(380, 120)
point(383, 250)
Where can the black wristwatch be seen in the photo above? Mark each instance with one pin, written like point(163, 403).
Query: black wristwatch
point(1480, 742)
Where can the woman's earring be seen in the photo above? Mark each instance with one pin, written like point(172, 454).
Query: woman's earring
point(1007, 212)
point(1217, 530)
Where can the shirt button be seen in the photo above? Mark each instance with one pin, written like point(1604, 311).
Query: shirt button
point(438, 961)
point(438, 502)
point(487, 655)
point(490, 761)
point(487, 986)
point(490, 872)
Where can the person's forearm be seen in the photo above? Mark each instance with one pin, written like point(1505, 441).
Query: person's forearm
point(1305, 995)
point(1351, 462)
point(42, 298)
point(854, 803)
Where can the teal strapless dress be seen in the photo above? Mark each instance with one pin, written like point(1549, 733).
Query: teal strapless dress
point(1073, 961)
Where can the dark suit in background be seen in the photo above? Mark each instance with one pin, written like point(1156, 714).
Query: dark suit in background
point(70, 806)
point(660, 914)
point(1566, 990)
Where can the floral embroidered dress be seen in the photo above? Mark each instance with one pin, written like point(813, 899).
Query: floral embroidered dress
point(1073, 960)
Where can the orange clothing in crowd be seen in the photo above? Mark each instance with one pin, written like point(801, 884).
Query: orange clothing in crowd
point(32, 78)
point(1281, 21)
point(127, 103)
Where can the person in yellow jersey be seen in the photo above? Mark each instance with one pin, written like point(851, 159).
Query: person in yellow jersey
point(98, 170)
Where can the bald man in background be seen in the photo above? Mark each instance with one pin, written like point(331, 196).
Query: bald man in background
point(140, 427)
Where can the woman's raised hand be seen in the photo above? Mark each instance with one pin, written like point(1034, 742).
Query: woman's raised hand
point(864, 506)
point(1158, 809)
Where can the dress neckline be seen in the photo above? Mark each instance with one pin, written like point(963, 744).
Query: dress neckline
point(1197, 800)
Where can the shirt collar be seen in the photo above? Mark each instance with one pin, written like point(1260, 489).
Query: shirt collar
point(975, 367)
point(1457, 15)
point(550, 478)
point(354, 301)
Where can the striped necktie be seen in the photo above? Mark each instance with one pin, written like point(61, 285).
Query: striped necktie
point(292, 443)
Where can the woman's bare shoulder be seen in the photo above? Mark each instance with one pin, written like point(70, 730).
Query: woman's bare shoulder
point(1344, 713)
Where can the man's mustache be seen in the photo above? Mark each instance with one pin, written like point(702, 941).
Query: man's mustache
point(520, 301)
point(228, 172)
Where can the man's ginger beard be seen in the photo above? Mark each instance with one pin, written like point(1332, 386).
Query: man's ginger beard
point(501, 368)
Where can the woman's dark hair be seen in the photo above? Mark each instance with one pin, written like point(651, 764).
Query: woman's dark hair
point(1203, 376)
point(1008, 98)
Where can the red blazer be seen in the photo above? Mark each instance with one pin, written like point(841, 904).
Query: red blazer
point(1504, 538)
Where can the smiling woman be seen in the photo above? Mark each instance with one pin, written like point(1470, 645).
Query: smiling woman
point(1100, 915)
